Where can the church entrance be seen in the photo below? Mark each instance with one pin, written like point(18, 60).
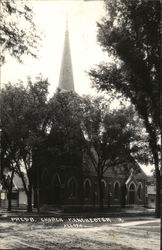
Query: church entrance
point(132, 194)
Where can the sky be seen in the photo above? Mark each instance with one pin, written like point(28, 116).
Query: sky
point(50, 18)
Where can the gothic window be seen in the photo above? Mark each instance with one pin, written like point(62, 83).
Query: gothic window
point(132, 187)
point(132, 195)
point(87, 188)
point(139, 191)
point(116, 190)
point(72, 187)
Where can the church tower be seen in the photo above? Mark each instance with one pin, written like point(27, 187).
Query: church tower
point(66, 81)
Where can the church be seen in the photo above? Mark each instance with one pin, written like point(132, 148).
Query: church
point(71, 183)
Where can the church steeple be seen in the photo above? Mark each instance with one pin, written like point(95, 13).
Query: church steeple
point(66, 81)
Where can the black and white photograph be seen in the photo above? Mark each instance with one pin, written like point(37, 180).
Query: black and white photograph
point(80, 126)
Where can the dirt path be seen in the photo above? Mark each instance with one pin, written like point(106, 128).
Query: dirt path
point(124, 236)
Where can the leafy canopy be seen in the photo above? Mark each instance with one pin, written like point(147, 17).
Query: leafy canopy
point(19, 35)
point(130, 33)
point(23, 121)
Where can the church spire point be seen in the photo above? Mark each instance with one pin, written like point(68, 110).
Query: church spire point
point(67, 21)
point(66, 81)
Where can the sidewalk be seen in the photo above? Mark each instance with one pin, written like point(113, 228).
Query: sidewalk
point(125, 212)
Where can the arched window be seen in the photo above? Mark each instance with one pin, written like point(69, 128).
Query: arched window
point(132, 187)
point(132, 193)
point(87, 189)
point(117, 190)
point(72, 187)
point(139, 191)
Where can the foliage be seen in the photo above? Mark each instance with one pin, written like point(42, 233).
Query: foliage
point(63, 128)
point(113, 138)
point(18, 31)
point(115, 135)
point(130, 33)
point(23, 122)
point(65, 136)
point(86, 124)
point(133, 38)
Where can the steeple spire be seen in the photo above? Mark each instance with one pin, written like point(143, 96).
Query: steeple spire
point(66, 81)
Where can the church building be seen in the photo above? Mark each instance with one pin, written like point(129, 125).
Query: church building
point(72, 183)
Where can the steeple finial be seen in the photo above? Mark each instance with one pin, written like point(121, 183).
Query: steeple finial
point(66, 81)
point(67, 21)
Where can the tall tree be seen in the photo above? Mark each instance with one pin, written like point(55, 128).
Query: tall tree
point(113, 139)
point(19, 35)
point(24, 122)
point(130, 33)
point(65, 134)
point(85, 124)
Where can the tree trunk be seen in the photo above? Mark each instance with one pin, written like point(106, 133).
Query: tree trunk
point(9, 196)
point(154, 148)
point(157, 175)
point(38, 191)
point(101, 206)
point(158, 205)
point(38, 201)
point(161, 203)
point(9, 201)
point(29, 198)
point(153, 143)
